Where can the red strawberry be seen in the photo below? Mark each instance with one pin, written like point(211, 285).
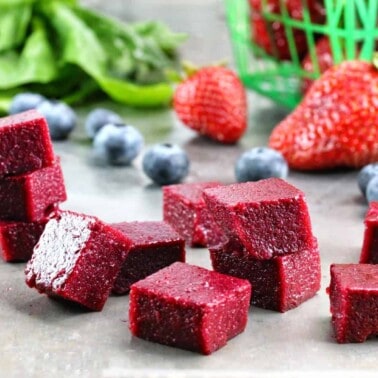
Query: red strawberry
point(213, 102)
point(324, 56)
point(271, 36)
point(336, 124)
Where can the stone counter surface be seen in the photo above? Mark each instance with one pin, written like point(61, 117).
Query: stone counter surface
point(41, 337)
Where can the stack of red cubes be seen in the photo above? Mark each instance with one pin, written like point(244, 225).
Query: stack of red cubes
point(270, 241)
point(31, 183)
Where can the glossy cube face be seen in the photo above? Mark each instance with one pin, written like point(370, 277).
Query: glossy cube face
point(268, 217)
point(353, 295)
point(31, 197)
point(189, 307)
point(17, 239)
point(185, 210)
point(280, 283)
point(369, 252)
point(25, 143)
point(77, 258)
point(154, 245)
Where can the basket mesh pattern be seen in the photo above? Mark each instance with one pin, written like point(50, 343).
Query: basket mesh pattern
point(350, 25)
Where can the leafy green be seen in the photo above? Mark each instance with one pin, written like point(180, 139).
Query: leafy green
point(35, 62)
point(77, 42)
point(5, 99)
point(66, 51)
point(161, 35)
point(14, 20)
point(128, 93)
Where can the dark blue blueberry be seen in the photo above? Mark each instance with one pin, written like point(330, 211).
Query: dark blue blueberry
point(60, 118)
point(117, 144)
point(25, 101)
point(372, 190)
point(365, 175)
point(166, 164)
point(260, 163)
point(98, 118)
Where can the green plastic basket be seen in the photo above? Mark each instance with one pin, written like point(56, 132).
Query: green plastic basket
point(351, 25)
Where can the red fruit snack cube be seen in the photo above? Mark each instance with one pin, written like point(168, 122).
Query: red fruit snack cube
point(185, 210)
point(353, 294)
point(17, 239)
point(189, 307)
point(369, 252)
point(154, 245)
point(280, 283)
point(31, 196)
point(268, 217)
point(25, 143)
point(77, 258)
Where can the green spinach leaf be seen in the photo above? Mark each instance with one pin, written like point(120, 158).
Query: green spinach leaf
point(63, 50)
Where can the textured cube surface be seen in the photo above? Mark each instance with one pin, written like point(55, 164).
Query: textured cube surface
point(269, 217)
point(189, 307)
point(25, 143)
point(31, 196)
point(77, 258)
point(17, 239)
point(185, 209)
point(369, 252)
point(353, 294)
point(280, 283)
point(154, 245)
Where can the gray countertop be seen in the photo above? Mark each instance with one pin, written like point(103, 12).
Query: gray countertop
point(40, 337)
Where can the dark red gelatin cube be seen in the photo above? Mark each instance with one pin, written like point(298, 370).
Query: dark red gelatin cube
point(185, 210)
point(189, 307)
point(25, 143)
point(154, 245)
point(31, 196)
point(17, 239)
point(353, 294)
point(77, 258)
point(280, 283)
point(269, 217)
point(369, 252)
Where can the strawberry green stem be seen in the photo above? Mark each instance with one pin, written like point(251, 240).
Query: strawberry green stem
point(375, 60)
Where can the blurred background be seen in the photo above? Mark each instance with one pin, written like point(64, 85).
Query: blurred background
point(203, 21)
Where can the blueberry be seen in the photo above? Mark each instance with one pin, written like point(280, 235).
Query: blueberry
point(60, 118)
point(372, 190)
point(98, 118)
point(117, 144)
point(166, 164)
point(25, 101)
point(260, 163)
point(365, 175)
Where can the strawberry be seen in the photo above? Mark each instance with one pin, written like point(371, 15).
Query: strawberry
point(271, 36)
point(324, 57)
point(213, 102)
point(336, 124)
